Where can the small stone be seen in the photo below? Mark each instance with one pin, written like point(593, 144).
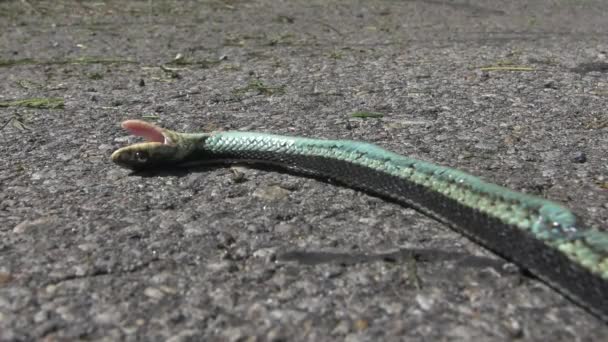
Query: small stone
point(87, 247)
point(41, 316)
point(579, 157)
point(425, 303)
point(222, 266)
point(104, 147)
point(168, 289)
point(393, 308)
point(65, 313)
point(361, 324)
point(153, 293)
point(483, 75)
point(238, 175)
point(511, 268)
point(64, 156)
point(50, 289)
point(550, 85)
point(515, 329)
point(241, 253)
point(5, 277)
point(107, 317)
point(266, 253)
point(122, 139)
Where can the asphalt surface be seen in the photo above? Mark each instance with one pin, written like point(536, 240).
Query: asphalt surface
point(513, 91)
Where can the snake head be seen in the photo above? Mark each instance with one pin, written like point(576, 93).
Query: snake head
point(161, 146)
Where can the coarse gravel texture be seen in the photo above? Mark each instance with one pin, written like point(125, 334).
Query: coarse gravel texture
point(89, 251)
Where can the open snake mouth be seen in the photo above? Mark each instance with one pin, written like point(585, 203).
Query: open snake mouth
point(146, 130)
point(158, 147)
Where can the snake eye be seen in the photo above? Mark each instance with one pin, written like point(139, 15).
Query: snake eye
point(141, 156)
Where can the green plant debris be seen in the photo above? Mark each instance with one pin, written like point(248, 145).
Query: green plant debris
point(507, 68)
point(97, 60)
point(284, 39)
point(261, 88)
point(322, 23)
point(412, 271)
point(234, 40)
point(40, 103)
point(171, 72)
point(79, 60)
point(27, 84)
point(367, 115)
point(335, 54)
point(597, 123)
point(231, 67)
point(13, 62)
point(17, 122)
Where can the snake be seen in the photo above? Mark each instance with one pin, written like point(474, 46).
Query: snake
point(540, 236)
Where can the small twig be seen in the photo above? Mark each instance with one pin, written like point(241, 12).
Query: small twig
point(328, 26)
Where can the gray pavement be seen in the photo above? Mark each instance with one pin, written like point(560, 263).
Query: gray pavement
point(513, 91)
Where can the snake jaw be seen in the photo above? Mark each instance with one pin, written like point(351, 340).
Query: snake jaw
point(150, 132)
point(159, 147)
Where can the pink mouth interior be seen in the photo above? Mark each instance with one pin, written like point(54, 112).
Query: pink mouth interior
point(144, 129)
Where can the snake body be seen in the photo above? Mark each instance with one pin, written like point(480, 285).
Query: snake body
point(539, 235)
